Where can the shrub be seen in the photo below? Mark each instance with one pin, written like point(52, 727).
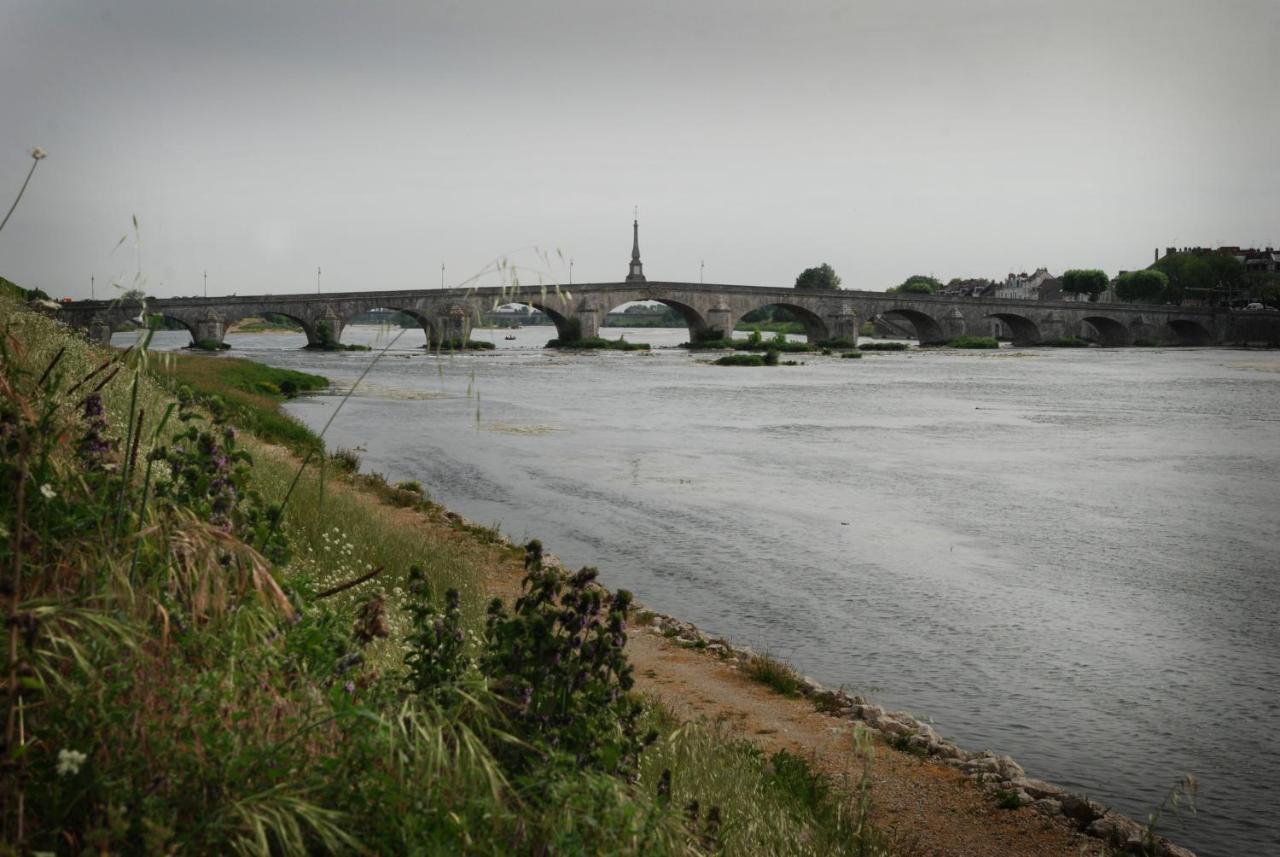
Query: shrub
point(595, 342)
point(347, 460)
point(839, 342)
point(884, 346)
point(771, 357)
point(741, 360)
point(974, 342)
point(1143, 342)
point(1008, 799)
point(775, 674)
point(1068, 342)
point(557, 661)
point(851, 355)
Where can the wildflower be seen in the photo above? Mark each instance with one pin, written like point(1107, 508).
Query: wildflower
point(349, 687)
point(39, 154)
point(47, 491)
point(69, 762)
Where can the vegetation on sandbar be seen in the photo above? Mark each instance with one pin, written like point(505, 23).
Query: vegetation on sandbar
point(974, 342)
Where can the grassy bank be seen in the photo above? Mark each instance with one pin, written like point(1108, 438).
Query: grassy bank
point(206, 674)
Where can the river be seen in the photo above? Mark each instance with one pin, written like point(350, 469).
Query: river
point(1069, 555)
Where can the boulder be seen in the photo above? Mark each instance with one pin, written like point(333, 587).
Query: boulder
point(1047, 806)
point(1082, 810)
point(1039, 789)
point(1118, 831)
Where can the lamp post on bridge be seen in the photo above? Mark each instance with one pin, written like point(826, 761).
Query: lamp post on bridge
point(571, 271)
point(91, 295)
point(701, 264)
point(442, 275)
point(206, 284)
point(317, 279)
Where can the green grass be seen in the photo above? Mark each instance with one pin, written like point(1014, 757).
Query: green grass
point(776, 805)
point(884, 346)
point(597, 343)
point(775, 674)
point(256, 732)
point(851, 355)
point(251, 391)
point(974, 342)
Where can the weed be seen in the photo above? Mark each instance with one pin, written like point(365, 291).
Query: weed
point(775, 674)
point(884, 346)
point(851, 355)
point(1008, 799)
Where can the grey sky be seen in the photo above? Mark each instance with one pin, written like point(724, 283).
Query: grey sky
point(259, 140)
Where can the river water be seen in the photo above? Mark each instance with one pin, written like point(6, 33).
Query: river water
point(1071, 556)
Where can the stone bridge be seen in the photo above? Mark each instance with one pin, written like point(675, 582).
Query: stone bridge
point(710, 311)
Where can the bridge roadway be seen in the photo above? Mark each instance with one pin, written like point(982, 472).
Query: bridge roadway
point(710, 311)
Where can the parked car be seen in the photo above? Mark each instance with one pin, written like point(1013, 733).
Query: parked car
point(1255, 305)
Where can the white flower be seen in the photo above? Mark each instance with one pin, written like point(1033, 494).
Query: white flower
point(47, 490)
point(69, 762)
point(39, 153)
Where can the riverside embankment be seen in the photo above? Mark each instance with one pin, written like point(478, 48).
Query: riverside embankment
point(1061, 556)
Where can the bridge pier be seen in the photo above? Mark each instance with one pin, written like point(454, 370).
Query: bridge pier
point(211, 328)
point(1053, 327)
point(588, 319)
point(100, 331)
point(952, 325)
point(843, 326)
point(325, 331)
point(448, 328)
point(719, 319)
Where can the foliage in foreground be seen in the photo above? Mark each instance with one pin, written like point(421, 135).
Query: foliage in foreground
point(186, 681)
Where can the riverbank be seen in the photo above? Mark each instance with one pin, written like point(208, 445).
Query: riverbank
point(475, 559)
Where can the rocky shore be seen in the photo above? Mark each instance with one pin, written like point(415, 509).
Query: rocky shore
point(1002, 777)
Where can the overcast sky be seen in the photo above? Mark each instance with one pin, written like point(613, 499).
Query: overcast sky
point(259, 140)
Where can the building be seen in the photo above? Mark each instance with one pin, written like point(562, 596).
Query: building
point(1022, 287)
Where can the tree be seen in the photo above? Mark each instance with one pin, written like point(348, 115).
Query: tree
point(916, 284)
point(821, 277)
point(1197, 276)
point(1146, 287)
point(1085, 281)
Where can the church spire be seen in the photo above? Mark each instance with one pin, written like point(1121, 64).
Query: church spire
point(636, 273)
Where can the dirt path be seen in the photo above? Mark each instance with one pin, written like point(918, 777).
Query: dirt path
point(932, 810)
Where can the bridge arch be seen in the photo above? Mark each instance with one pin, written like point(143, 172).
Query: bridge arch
point(423, 321)
point(928, 330)
point(1111, 333)
point(1024, 330)
point(307, 325)
point(697, 324)
point(566, 328)
point(1190, 332)
point(815, 328)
